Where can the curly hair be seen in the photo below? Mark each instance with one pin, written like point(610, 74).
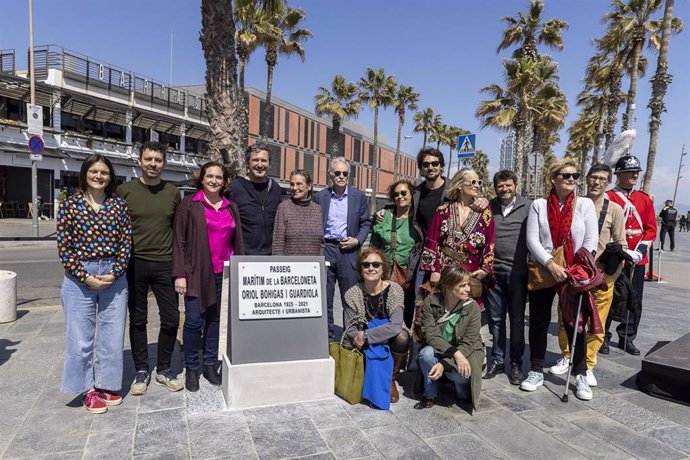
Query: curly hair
point(366, 253)
point(406, 182)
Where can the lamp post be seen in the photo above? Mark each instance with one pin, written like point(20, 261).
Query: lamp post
point(678, 177)
point(34, 164)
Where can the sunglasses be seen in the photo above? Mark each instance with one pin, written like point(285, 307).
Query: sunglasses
point(341, 173)
point(401, 193)
point(568, 176)
point(426, 164)
point(475, 183)
point(372, 264)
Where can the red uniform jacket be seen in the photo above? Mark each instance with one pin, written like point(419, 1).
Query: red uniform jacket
point(640, 218)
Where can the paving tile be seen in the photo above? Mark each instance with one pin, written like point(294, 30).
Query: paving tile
point(70, 455)
point(676, 437)
point(319, 456)
point(462, 446)
point(679, 413)
point(398, 441)
point(627, 439)
point(547, 399)
point(435, 421)
point(158, 397)
point(160, 430)
point(367, 417)
point(512, 400)
point(107, 446)
point(277, 413)
point(10, 423)
point(327, 414)
point(629, 414)
point(218, 435)
point(589, 445)
point(546, 421)
point(207, 400)
point(348, 442)
point(287, 438)
point(179, 454)
point(117, 419)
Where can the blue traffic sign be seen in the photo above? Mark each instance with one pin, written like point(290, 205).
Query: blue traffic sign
point(466, 146)
point(36, 144)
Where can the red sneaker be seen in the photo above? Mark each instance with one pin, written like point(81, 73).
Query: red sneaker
point(93, 403)
point(109, 397)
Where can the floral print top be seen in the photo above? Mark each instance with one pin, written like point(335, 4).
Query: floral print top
point(450, 242)
point(85, 234)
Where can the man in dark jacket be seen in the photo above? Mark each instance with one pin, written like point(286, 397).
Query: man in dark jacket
point(509, 294)
point(257, 197)
point(668, 216)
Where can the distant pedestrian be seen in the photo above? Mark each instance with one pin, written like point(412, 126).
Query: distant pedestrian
point(298, 229)
point(207, 233)
point(94, 242)
point(683, 224)
point(668, 216)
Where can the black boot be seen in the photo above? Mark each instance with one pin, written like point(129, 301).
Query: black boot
point(191, 380)
point(605, 349)
point(211, 374)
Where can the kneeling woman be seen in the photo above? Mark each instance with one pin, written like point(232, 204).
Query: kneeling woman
point(207, 233)
point(378, 304)
point(451, 321)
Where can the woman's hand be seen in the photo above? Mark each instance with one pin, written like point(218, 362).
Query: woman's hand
point(558, 272)
point(358, 341)
point(462, 364)
point(436, 372)
point(435, 278)
point(99, 281)
point(479, 274)
point(181, 286)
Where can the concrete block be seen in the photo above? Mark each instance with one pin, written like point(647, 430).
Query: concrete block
point(8, 296)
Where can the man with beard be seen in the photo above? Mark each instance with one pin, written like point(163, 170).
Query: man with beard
point(257, 197)
point(640, 232)
point(509, 294)
point(152, 204)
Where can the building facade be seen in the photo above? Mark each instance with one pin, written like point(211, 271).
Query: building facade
point(507, 157)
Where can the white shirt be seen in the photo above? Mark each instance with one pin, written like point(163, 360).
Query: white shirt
point(505, 210)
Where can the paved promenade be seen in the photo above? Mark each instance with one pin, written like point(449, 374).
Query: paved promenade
point(37, 421)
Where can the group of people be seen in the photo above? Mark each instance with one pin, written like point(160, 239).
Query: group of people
point(439, 237)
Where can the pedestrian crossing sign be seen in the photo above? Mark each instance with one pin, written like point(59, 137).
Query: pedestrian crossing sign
point(466, 146)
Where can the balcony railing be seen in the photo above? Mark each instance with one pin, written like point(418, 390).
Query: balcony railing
point(7, 61)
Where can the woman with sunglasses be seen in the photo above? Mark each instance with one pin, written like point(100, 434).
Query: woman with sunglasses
point(374, 318)
point(460, 236)
point(562, 219)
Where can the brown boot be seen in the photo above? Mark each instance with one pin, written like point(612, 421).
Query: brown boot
point(399, 361)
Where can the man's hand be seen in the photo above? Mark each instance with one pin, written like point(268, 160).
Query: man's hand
point(358, 341)
point(436, 372)
point(462, 364)
point(479, 204)
point(479, 274)
point(181, 286)
point(378, 217)
point(349, 243)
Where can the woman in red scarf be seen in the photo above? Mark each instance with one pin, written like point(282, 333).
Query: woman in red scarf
point(562, 219)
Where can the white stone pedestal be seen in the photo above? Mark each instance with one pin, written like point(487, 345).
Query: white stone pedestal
point(8, 296)
point(267, 384)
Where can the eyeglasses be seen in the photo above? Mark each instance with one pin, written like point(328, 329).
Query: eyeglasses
point(400, 193)
point(340, 173)
point(372, 264)
point(426, 164)
point(475, 183)
point(568, 176)
point(603, 180)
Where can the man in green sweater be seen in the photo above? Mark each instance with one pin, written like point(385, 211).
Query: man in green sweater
point(152, 206)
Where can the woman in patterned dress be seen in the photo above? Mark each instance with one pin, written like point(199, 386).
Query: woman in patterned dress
point(94, 239)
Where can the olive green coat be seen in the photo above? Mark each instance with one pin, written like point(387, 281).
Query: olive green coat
point(468, 339)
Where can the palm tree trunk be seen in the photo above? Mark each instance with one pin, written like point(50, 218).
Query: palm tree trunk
point(597, 138)
point(335, 136)
point(583, 170)
point(628, 121)
point(374, 162)
point(223, 104)
point(424, 144)
point(396, 160)
point(244, 109)
point(612, 105)
point(450, 160)
point(271, 60)
point(660, 82)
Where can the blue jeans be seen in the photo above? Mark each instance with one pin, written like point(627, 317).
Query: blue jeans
point(427, 360)
point(95, 331)
point(508, 296)
point(194, 322)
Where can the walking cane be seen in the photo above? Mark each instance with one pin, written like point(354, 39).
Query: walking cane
point(564, 398)
point(627, 310)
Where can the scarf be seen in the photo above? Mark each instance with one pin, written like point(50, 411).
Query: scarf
point(560, 221)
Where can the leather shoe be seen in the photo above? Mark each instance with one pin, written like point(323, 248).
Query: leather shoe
point(516, 375)
point(493, 369)
point(425, 404)
point(629, 347)
point(605, 349)
point(191, 380)
point(211, 374)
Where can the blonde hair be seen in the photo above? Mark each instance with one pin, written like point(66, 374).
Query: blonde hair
point(562, 164)
point(454, 190)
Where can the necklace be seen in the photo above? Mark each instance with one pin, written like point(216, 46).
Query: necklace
point(92, 202)
point(375, 309)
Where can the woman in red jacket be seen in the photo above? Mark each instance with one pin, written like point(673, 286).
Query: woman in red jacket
point(207, 233)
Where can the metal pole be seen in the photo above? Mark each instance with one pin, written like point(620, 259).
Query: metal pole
point(680, 165)
point(34, 163)
point(171, 58)
point(535, 175)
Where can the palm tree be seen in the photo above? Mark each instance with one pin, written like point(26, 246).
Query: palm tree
point(593, 101)
point(581, 140)
point(340, 102)
point(223, 104)
point(451, 140)
point(286, 38)
point(438, 131)
point(660, 82)
point(378, 90)
point(405, 98)
point(607, 67)
point(549, 108)
point(423, 122)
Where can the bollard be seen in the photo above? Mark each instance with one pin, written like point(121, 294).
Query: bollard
point(8, 296)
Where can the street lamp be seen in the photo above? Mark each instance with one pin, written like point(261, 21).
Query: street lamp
point(678, 177)
point(34, 164)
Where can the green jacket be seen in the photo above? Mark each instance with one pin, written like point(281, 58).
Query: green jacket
point(467, 338)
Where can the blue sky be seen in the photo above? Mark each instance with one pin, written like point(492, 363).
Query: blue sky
point(445, 48)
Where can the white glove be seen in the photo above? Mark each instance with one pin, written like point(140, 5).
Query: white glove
point(635, 255)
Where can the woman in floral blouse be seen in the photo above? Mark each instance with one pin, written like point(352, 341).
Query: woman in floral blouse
point(94, 243)
point(459, 236)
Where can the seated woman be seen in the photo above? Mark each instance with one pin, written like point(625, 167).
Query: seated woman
point(454, 348)
point(376, 308)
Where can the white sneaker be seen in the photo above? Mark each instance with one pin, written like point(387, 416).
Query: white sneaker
point(533, 381)
point(591, 379)
point(582, 390)
point(561, 367)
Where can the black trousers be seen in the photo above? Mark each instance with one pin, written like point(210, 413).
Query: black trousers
point(539, 320)
point(670, 229)
point(629, 328)
point(142, 275)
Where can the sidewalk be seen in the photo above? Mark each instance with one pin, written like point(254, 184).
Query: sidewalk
point(19, 232)
point(38, 421)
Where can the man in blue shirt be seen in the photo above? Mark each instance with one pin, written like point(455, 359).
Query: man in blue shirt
point(346, 224)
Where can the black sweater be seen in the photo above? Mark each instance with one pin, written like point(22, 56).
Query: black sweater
point(257, 216)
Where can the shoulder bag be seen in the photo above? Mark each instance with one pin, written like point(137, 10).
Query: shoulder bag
point(349, 368)
point(539, 277)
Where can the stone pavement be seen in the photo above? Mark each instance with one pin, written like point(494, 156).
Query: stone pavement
point(37, 421)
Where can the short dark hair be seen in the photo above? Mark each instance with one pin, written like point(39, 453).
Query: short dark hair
point(430, 151)
point(202, 172)
point(257, 147)
point(407, 183)
point(155, 146)
point(504, 175)
point(597, 167)
point(88, 162)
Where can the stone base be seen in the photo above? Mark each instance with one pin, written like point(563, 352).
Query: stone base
point(267, 384)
